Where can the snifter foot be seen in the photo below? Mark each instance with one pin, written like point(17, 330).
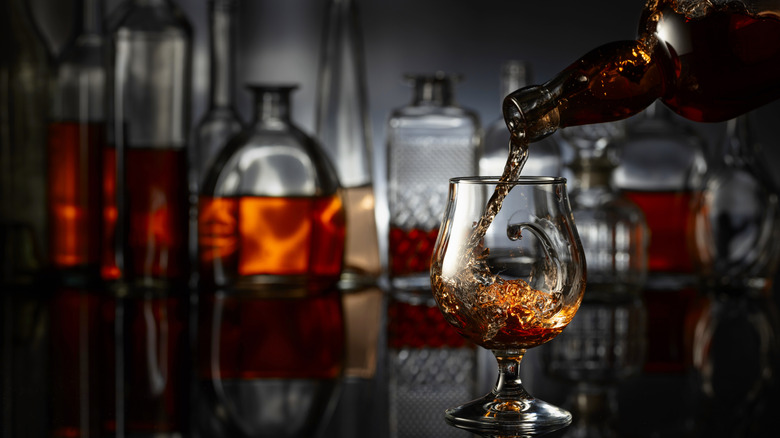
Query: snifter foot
point(492, 416)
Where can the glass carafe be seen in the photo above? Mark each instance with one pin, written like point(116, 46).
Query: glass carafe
point(428, 141)
point(702, 58)
point(662, 164)
point(76, 139)
point(344, 129)
point(545, 160)
point(271, 232)
point(605, 343)
point(146, 260)
point(736, 346)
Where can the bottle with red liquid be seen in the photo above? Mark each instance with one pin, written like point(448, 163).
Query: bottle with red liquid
point(76, 140)
point(271, 236)
point(428, 141)
point(146, 252)
point(701, 58)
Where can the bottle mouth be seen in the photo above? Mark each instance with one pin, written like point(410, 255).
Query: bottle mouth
point(520, 181)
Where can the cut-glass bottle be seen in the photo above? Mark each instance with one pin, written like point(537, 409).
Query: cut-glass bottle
point(428, 141)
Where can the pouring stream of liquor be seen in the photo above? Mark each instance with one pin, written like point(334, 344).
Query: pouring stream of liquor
point(518, 154)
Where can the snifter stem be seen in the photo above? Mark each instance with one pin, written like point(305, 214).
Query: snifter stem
point(509, 392)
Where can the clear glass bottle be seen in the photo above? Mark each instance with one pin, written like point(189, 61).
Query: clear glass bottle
point(428, 141)
point(699, 57)
point(662, 165)
point(76, 139)
point(271, 232)
point(221, 120)
point(545, 156)
point(344, 129)
point(604, 344)
point(736, 344)
point(147, 258)
point(24, 76)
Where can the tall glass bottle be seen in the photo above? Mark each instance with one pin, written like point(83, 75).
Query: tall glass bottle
point(661, 169)
point(24, 75)
point(545, 158)
point(343, 126)
point(604, 344)
point(147, 216)
point(736, 347)
point(428, 141)
point(271, 232)
point(221, 120)
point(76, 139)
point(700, 57)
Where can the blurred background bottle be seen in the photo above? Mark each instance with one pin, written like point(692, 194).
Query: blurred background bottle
point(343, 127)
point(76, 141)
point(662, 163)
point(735, 349)
point(221, 120)
point(428, 141)
point(25, 71)
point(271, 232)
point(605, 343)
point(147, 258)
point(545, 157)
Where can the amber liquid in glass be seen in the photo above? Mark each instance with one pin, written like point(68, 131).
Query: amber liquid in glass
point(157, 204)
point(262, 235)
point(411, 250)
point(74, 192)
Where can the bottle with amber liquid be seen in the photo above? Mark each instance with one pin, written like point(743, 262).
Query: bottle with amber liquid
point(271, 231)
point(701, 58)
point(76, 140)
point(146, 254)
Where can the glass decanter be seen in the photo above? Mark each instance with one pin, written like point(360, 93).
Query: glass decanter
point(146, 260)
point(76, 139)
point(605, 343)
point(271, 231)
point(508, 273)
point(736, 348)
point(545, 160)
point(428, 141)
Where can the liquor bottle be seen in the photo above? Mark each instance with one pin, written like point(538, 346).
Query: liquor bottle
point(661, 169)
point(24, 355)
point(736, 344)
point(221, 120)
point(545, 158)
point(604, 344)
point(271, 232)
point(699, 57)
point(428, 141)
point(343, 127)
point(146, 261)
point(76, 139)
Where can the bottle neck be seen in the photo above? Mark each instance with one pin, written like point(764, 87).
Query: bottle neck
point(272, 103)
point(91, 17)
point(221, 62)
point(435, 91)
